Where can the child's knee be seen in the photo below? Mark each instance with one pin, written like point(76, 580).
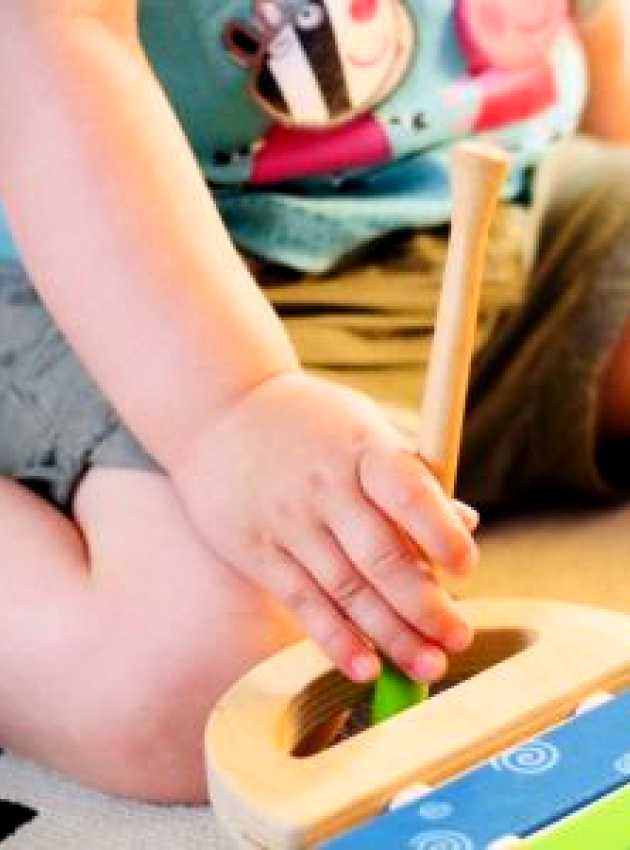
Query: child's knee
point(141, 734)
point(139, 731)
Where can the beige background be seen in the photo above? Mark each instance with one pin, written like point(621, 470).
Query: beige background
point(580, 557)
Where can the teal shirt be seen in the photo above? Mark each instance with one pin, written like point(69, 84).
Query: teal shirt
point(7, 249)
point(323, 124)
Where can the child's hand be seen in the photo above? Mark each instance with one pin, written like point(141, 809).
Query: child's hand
point(303, 486)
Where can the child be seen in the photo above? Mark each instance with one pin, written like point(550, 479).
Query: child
point(143, 573)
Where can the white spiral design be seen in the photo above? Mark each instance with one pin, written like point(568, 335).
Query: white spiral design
point(441, 839)
point(436, 810)
point(622, 765)
point(530, 759)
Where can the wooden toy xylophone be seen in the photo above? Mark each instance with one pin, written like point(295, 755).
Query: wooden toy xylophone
point(275, 784)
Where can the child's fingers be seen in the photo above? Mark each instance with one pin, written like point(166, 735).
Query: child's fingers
point(289, 582)
point(404, 489)
point(350, 591)
point(398, 575)
point(410, 652)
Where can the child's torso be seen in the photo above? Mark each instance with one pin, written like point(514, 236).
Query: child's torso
point(384, 78)
point(322, 124)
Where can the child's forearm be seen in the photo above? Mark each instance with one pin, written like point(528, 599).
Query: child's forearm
point(119, 231)
point(605, 29)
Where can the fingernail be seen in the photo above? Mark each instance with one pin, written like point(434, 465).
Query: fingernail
point(470, 516)
point(459, 638)
point(429, 665)
point(365, 668)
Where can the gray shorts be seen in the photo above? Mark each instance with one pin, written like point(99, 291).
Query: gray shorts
point(54, 421)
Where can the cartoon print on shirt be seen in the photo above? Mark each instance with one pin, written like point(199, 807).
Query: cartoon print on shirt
point(332, 115)
point(319, 63)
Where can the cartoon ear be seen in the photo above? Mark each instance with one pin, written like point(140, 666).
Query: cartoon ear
point(244, 43)
point(508, 34)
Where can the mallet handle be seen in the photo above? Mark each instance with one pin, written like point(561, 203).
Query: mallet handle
point(478, 173)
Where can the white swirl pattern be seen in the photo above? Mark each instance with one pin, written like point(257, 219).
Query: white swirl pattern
point(622, 765)
point(530, 759)
point(441, 839)
point(435, 810)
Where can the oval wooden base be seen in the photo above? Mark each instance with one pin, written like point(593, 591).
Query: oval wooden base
point(530, 666)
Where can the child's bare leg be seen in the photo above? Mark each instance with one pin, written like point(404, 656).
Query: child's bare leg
point(118, 634)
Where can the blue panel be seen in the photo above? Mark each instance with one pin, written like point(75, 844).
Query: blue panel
point(517, 793)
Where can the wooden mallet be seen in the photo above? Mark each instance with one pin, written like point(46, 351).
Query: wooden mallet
point(478, 172)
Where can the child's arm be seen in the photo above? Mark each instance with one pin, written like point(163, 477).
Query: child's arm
point(298, 484)
point(605, 29)
point(117, 226)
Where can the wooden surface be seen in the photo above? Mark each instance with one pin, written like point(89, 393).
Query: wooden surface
point(267, 798)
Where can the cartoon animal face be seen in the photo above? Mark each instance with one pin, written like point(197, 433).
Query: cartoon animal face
point(509, 34)
point(321, 62)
